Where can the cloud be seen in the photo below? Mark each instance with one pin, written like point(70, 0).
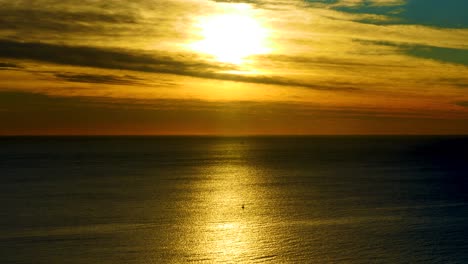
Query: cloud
point(94, 115)
point(360, 3)
point(8, 66)
point(59, 19)
point(264, 4)
point(462, 103)
point(328, 60)
point(441, 54)
point(97, 78)
point(457, 82)
point(24, 101)
point(97, 22)
point(105, 58)
point(239, 1)
point(46, 22)
point(178, 64)
point(396, 56)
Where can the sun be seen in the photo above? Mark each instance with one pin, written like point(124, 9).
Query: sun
point(230, 38)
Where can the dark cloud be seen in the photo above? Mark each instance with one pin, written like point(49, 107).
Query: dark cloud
point(39, 20)
point(447, 55)
point(179, 64)
point(264, 4)
point(238, 1)
point(462, 103)
point(275, 80)
point(95, 57)
point(104, 58)
point(97, 78)
point(8, 66)
point(59, 16)
point(324, 60)
point(371, 8)
point(457, 82)
point(73, 21)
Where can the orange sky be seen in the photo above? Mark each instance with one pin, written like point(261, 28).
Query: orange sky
point(233, 67)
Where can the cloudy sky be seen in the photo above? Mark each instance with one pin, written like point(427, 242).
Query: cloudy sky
point(234, 67)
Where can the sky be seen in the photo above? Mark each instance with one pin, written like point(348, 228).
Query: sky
point(220, 67)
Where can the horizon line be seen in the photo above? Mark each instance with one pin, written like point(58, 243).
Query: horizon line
point(224, 135)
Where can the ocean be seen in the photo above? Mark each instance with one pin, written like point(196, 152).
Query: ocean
point(316, 199)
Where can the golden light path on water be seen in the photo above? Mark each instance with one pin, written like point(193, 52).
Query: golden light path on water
point(223, 231)
point(232, 36)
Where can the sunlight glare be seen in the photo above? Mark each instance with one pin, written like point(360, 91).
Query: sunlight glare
point(230, 38)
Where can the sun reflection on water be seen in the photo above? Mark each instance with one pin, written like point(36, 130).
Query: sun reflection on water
point(224, 215)
point(229, 223)
point(229, 237)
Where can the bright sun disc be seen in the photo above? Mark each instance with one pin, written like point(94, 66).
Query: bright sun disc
point(231, 38)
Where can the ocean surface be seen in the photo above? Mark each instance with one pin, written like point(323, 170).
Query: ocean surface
point(360, 199)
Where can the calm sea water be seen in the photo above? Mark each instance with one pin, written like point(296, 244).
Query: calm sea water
point(234, 200)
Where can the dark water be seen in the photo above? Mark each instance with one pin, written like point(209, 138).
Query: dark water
point(180, 199)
